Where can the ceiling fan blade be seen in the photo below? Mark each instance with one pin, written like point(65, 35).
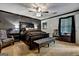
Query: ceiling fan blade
point(45, 11)
point(34, 6)
point(32, 10)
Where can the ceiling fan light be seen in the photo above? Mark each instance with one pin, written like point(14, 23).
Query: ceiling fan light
point(38, 14)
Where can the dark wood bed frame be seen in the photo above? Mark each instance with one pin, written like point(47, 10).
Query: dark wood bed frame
point(31, 43)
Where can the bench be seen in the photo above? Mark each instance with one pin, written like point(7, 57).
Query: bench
point(44, 41)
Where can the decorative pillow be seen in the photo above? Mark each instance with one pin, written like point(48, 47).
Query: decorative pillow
point(3, 34)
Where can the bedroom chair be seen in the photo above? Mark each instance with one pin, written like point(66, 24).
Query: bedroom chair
point(55, 34)
point(4, 40)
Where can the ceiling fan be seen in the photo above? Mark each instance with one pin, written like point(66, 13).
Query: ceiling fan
point(37, 7)
point(40, 8)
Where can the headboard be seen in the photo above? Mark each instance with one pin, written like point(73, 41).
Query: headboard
point(25, 25)
point(31, 25)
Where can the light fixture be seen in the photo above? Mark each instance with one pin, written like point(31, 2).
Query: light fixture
point(38, 12)
point(38, 8)
point(16, 26)
point(35, 26)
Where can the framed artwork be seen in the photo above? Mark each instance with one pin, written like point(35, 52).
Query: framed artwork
point(44, 25)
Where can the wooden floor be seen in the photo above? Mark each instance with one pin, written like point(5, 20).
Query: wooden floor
point(58, 49)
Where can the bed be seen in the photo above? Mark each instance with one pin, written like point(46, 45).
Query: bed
point(30, 34)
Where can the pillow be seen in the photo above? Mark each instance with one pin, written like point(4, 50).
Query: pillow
point(3, 34)
point(27, 29)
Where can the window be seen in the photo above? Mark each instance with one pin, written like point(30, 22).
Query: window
point(66, 26)
point(44, 25)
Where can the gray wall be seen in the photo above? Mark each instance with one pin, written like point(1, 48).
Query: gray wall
point(52, 23)
point(8, 20)
point(31, 20)
point(4, 24)
point(77, 28)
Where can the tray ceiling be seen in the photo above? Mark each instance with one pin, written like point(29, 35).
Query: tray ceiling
point(52, 8)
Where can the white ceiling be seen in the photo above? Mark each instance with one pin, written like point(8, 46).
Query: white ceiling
point(23, 9)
